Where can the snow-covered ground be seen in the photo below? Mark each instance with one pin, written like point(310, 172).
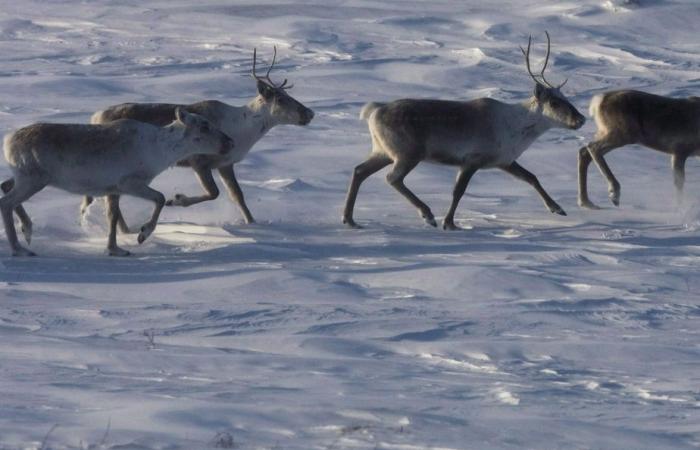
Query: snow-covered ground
point(525, 331)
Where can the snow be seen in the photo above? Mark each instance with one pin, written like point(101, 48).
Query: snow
point(527, 330)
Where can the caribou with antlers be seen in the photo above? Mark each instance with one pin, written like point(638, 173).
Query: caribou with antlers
point(472, 135)
point(244, 124)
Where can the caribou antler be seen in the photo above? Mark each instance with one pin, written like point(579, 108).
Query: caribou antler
point(544, 81)
point(266, 79)
point(526, 53)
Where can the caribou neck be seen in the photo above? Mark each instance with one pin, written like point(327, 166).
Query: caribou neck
point(259, 117)
point(246, 124)
point(173, 143)
point(529, 117)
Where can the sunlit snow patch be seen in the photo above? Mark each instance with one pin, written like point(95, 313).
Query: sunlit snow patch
point(470, 56)
point(509, 234)
point(286, 184)
point(201, 237)
point(457, 364)
point(506, 397)
point(581, 287)
point(621, 5)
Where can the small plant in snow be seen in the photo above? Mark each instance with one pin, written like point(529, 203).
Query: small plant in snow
point(151, 337)
point(46, 438)
point(223, 440)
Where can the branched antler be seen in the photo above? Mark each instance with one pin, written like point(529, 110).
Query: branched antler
point(543, 81)
point(266, 79)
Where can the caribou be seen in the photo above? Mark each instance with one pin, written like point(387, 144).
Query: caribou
point(121, 157)
point(669, 125)
point(472, 135)
point(244, 124)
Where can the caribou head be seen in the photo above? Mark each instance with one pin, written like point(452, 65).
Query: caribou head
point(550, 100)
point(282, 106)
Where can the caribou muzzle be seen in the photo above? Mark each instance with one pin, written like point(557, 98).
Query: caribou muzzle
point(305, 116)
point(578, 122)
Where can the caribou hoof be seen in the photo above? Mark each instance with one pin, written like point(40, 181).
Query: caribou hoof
point(351, 223)
point(21, 251)
point(450, 226)
point(118, 251)
point(146, 231)
point(556, 209)
point(588, 204)
point(615, 198)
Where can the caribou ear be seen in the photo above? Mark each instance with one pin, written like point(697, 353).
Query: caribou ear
point(265, 90)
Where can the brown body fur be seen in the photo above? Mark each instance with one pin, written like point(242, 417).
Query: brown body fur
point(668, 125)
point(161, 114)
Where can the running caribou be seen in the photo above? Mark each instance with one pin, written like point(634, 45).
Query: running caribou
point(244, 124)
point(669, 125)
point(472, 135)
point(121, 157)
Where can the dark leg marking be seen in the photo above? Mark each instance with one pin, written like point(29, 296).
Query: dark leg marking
point(371, 165)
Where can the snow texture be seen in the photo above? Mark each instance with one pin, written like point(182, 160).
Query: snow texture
point(526, 330)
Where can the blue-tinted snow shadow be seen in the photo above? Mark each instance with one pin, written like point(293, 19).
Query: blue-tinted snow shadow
point(272, 243)
point(279, 245)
